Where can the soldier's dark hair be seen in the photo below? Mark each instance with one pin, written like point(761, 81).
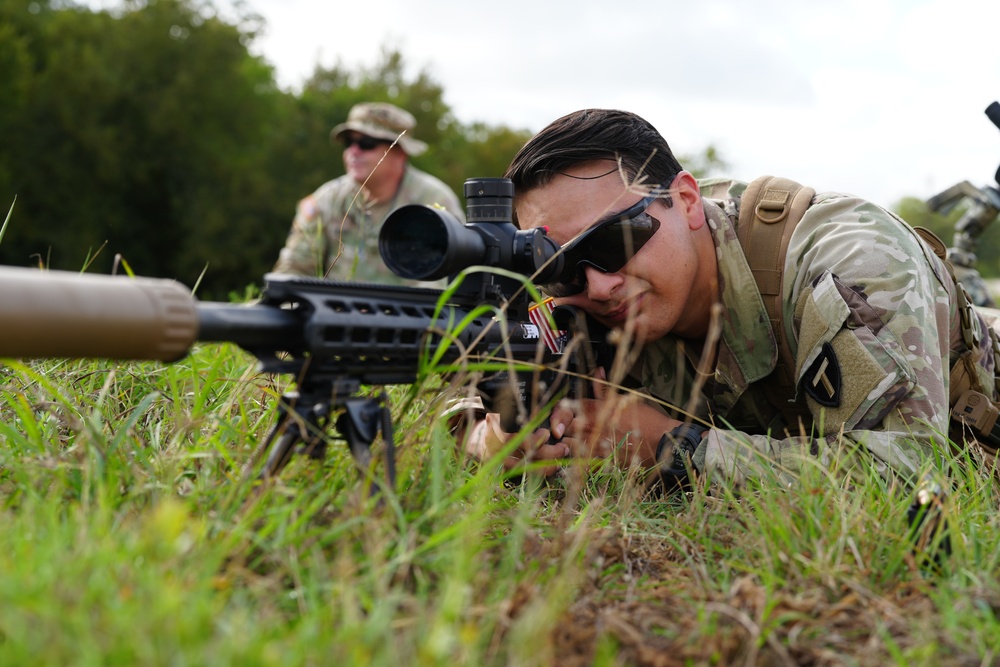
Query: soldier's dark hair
point(594, 134)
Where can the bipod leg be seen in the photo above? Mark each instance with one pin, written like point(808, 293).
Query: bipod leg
point(298, 423)
point(359, 424)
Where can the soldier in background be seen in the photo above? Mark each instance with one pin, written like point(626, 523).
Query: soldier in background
point(335, 231)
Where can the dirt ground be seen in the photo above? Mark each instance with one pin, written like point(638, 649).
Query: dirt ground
point(642, 604)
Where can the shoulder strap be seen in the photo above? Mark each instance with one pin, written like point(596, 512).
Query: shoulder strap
point(769, 210)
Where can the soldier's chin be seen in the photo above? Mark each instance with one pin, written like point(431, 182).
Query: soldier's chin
point(359, 174)
point(642, 335)
point(632, 333)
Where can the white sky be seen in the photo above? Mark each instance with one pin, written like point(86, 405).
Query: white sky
point(880, 98)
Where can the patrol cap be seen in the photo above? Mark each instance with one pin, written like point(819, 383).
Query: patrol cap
point(381, 120)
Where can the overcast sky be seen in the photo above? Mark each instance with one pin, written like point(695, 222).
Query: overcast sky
point(881, 98)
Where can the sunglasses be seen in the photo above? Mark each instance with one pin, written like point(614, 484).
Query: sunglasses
point(363, 142)
point(607, 246)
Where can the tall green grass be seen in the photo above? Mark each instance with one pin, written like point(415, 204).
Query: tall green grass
point(132, 533)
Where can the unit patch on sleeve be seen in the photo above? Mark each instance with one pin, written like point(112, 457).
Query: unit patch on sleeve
point(822, 380)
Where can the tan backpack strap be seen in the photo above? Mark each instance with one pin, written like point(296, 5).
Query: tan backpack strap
point(769, 210)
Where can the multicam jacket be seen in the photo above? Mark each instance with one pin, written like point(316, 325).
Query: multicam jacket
point(337, 227)
point(872, 319)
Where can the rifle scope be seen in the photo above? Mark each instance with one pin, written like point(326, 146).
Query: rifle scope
point(428, 243)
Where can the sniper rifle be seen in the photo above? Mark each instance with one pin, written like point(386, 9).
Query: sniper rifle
point(335, 337)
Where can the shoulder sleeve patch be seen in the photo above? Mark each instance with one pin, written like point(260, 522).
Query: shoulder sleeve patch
point(307, 207)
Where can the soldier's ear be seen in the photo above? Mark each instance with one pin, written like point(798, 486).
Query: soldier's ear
point(687, 197)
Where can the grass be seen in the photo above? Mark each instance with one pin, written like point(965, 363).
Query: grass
point(129, 535)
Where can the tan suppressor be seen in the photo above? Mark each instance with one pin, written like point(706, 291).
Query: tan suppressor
point(77, 315)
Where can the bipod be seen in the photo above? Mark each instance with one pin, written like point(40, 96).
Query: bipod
point(302, 420)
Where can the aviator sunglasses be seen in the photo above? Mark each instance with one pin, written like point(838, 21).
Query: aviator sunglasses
point(607, 246)
point(363, 142)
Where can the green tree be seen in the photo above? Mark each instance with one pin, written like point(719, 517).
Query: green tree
point(709, 162)
point(140, 129)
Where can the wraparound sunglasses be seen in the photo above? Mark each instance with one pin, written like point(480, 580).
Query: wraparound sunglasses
point(607, 246)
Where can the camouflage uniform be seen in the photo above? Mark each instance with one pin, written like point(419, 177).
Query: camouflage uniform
point(872, 320)
point(332, 214)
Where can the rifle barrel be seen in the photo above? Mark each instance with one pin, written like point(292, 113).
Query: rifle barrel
point(250, 327)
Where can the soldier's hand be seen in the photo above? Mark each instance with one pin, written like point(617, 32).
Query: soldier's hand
point(488, 439)
point(628, 429)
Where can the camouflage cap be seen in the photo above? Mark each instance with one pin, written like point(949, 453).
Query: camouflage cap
point(381, 120)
